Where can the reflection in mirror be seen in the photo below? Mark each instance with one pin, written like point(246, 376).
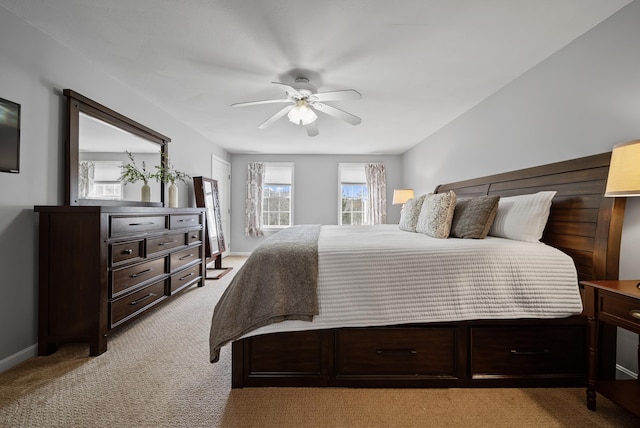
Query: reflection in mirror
point(206, 193)
point(211, 231)
point(97, 142)
point(102, 153)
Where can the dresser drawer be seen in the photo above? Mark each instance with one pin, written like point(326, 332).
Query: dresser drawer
point(126, 251)
point(164, 243)
point(125, 278)
point(181, 221)
point(132, 304)
point(184, 257)
point(194, 236)
point(185, 277)
point(527, 351)
point(137, 224)
point(396, 351)
point(624, 311)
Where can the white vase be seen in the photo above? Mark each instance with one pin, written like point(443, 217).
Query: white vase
point(145, 193)
point(173, 195)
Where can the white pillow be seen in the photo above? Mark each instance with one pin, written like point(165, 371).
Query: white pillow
point(522, 217)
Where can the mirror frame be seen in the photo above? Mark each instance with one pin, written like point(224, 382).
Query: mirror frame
point(76, 104)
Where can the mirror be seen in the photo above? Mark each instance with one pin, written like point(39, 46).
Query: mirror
point(206, 193)
point(98, 140)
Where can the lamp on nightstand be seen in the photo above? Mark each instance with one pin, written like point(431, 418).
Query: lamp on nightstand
point(400, 196)
point(624, 171)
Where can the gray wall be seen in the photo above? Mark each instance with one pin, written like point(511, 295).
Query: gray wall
point(315, 193)
point(33, 71)
point(580, 101)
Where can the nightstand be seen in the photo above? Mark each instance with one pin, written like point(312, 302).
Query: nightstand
point(607, 305)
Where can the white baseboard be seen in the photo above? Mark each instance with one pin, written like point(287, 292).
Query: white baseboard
point(240, 254)
point(18, 357)
point(625, 373)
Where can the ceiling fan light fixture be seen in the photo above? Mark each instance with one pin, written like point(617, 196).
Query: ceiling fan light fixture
point(301, 114)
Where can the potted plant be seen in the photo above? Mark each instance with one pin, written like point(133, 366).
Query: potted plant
point(131, 173)
point(168, 174)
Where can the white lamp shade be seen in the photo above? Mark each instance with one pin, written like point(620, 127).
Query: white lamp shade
point(400, 196)
point(624, 170)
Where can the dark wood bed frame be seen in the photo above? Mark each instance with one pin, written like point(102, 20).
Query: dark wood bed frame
point(482, 353)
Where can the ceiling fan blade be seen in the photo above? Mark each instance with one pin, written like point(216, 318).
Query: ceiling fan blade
point(276, 116)
point(312, 129)
point(255, 103)
point(290, 90)
point(347, 94)
point(336, 112)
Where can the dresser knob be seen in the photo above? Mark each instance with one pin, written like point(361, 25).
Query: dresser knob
point(635, 313)
point(128, 251)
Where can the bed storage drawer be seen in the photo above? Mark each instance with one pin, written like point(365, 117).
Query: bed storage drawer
point(287, 359)
point(396, 351)
point(520, 352)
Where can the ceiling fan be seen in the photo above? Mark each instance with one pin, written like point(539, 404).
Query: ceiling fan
point(304, 100)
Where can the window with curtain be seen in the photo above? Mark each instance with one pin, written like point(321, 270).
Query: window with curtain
point(253, 203)
point(353, 194)
point(277, 195)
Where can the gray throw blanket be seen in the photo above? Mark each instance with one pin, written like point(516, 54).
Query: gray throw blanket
point(278, 282)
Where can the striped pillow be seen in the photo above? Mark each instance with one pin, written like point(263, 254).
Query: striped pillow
point(522, 217)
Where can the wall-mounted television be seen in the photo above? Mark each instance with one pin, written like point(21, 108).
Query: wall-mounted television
point(9, 136)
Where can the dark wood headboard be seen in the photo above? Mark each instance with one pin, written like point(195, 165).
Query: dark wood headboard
point(582, 222)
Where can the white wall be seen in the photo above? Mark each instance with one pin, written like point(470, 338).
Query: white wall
point(580, 101)
point(315, 185)
point(33, 71)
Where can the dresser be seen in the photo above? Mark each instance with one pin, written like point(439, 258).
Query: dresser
point(102, 266)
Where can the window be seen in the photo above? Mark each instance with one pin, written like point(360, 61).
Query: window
point(353, 194)
point(277, 206)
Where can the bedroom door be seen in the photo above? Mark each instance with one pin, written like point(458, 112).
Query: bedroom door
point(221, 172)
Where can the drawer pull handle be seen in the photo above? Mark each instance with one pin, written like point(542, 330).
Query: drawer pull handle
point(135, 302)
point(167, 242)
point(408, 352)
point(186, 276)
point(635, 313)
point(141, 224)
point(186, 257)
point(183, 220)
point(127, 251)
point(194, 236)
point(135, 275)
point(516, 352)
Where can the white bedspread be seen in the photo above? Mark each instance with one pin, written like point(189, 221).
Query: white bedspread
point(379, 275)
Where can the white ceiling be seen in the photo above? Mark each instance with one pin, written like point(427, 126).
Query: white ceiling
point(419, 64)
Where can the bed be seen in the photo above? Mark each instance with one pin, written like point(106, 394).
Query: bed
point(468, 350)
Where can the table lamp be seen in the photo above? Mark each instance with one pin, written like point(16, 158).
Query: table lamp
point(400, 196)
point(624, 171)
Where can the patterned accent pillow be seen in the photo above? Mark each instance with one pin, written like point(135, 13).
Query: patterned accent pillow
point(436, 214)
point(473, 217)
point(410, 213)
point(522, 217)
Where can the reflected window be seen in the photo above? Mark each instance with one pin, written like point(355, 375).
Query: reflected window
point(100, 180)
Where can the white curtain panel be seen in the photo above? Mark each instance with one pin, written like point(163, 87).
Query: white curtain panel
point(253, 208)
point(376, 182)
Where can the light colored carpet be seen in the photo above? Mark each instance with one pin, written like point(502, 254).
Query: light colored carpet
point(156, 373)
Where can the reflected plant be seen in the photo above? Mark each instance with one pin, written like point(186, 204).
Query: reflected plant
point(131, 173)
